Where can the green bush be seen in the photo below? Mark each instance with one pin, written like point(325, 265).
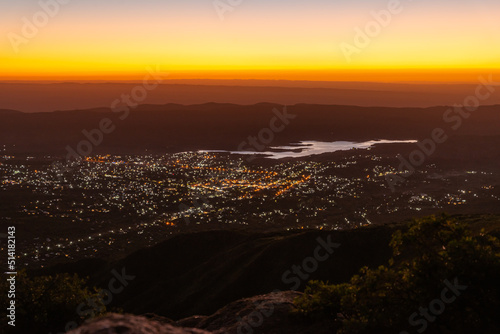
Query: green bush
point(48, 303)
point(430, 251)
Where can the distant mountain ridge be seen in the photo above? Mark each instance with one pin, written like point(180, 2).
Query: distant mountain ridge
point(9, 111)
point(177, 128)
point(44, 97)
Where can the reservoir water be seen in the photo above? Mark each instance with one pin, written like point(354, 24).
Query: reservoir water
point(308, 148)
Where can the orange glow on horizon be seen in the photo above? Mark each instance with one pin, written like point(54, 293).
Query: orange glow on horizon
point(303, 43)
point(362, 75)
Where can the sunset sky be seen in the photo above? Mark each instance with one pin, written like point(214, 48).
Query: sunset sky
point(428, 40)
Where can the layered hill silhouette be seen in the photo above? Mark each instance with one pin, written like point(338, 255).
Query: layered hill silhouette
point(44, 97)
point(175, 128)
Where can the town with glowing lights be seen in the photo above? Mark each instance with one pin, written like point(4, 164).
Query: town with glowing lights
point(105, 205)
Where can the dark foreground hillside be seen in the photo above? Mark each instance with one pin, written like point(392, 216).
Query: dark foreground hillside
point(232, 282)
point(200, 272)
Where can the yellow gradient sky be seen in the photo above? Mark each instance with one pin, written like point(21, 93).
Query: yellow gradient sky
point(297, 40)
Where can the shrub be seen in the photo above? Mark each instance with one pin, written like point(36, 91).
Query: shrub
point(430, 251)
point(48, 303)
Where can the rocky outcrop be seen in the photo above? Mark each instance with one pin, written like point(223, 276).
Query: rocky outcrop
point(259, 314)
point(270, 314)
point(130, 324)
